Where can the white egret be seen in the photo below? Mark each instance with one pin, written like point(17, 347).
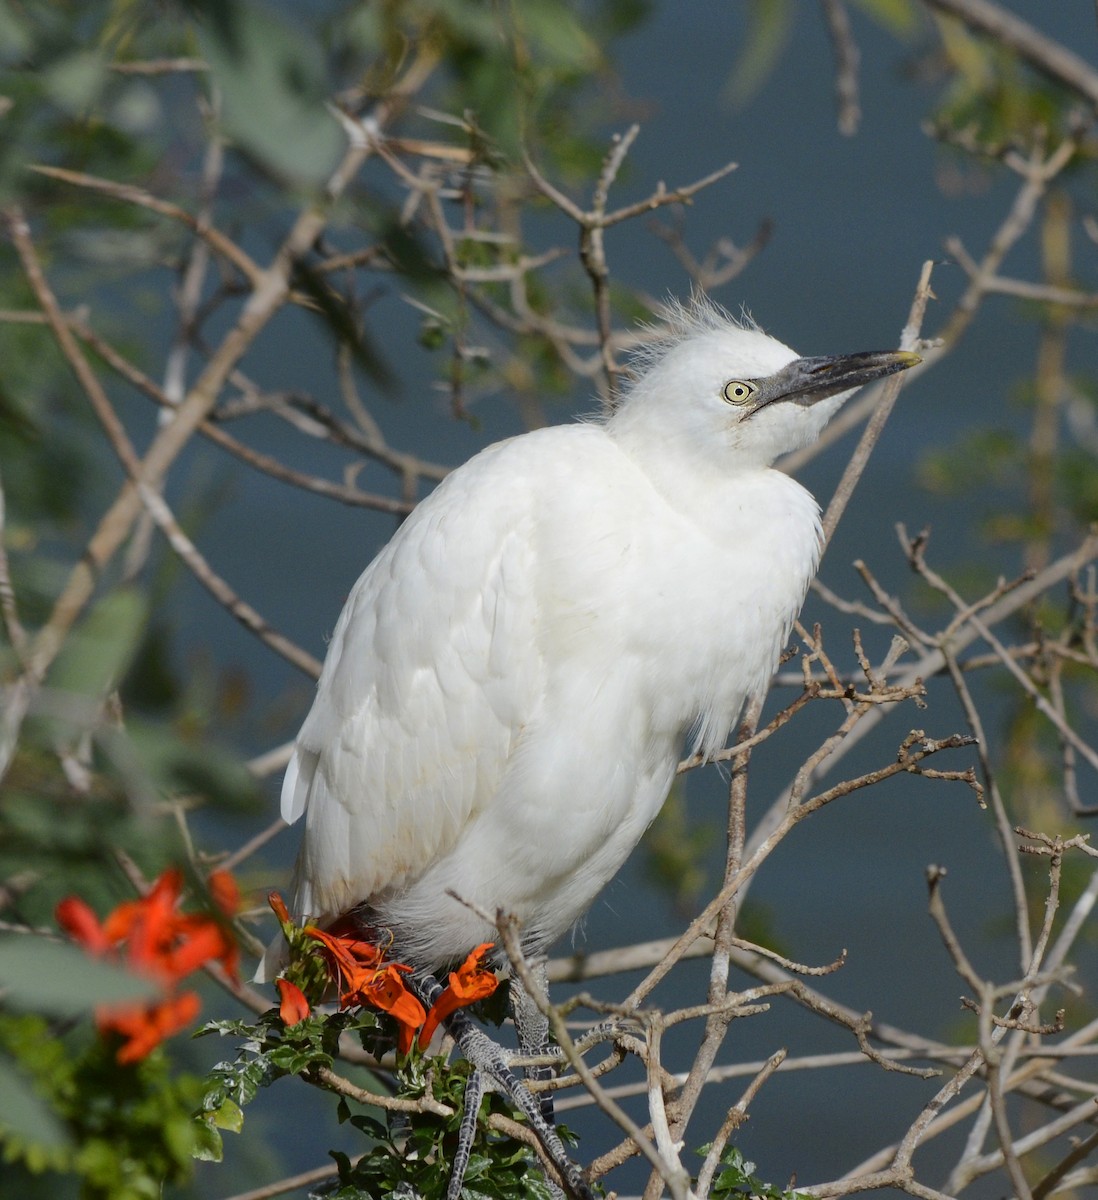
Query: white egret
point(508, 689)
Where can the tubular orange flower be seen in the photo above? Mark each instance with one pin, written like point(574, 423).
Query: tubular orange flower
point(278, 907)
point(472, 981)
point(148, 916)
point(350, 959)
point(143, 1027)
point(82, 925)
point(151, 937)
point(294, 1006)
point(385, 989)
point(197, 941)
point(225, 891)
point(363, 977)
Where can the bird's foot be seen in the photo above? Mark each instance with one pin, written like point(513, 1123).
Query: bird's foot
point(490, 1062)
point(492, 1068)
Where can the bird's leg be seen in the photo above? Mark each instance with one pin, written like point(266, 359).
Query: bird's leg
point(467, 1132)
point(532, 1026)
point(486, 1056)
point(489, 1062)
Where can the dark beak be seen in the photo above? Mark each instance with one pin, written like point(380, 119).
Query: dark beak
point(806, 380)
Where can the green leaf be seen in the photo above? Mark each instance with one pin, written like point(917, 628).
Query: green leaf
point(99, 650)
point(182, 1136)
point(769, 27)
point(25, 1117)
point(272, 86)
point(208, 1145)
point(171, 764)
point(43, 976)
point(559, 38)
point(15, 34)
point(75, 81)
point(738, 1179)
point(899, 17)
point(229, 1116)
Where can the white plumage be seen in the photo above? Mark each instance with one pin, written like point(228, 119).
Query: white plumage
point(510, 684)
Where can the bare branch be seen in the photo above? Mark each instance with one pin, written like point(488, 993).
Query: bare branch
point(872, 433)
point(1049, 57)
point(130, 194)
point(847, 58)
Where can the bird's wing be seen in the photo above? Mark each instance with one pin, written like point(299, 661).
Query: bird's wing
point(432, 672)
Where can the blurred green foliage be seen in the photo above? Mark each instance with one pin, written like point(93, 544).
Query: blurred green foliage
point(118, 746)
point(674, 851)
point(770, 29)
point(123, 1134)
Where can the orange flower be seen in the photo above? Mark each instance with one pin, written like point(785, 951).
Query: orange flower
point(472, 981)
point(153, 939)
point(82, 925)
point(385, 989)
point(225, 891)
point(364, 978)
point(278, 907)
point(144, 1027)
point(351, 960)
point(294, 1006)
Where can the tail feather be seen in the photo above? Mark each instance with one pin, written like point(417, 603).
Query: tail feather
point(273, 960)
point(276, 955)
point(296, 783)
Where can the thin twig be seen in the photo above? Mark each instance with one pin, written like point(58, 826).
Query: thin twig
point(847, 57)
point(872, 433)
point(130, 194)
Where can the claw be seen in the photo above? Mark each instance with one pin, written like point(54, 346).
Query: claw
point(489, 1063)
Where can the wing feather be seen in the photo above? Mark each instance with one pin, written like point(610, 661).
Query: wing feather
point(426, 686)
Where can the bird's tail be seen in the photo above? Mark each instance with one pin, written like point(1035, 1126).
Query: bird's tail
point(275, 957)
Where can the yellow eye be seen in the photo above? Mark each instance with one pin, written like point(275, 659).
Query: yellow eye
point(738, 391)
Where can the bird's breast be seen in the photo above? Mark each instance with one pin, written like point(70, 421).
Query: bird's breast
point(691, 603)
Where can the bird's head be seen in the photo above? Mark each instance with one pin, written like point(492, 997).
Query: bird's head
point(727, 394)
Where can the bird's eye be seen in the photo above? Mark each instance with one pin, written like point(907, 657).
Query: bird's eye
point(738, 391)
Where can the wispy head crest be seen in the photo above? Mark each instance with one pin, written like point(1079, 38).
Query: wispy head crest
point(677, 320)
point(700, 314)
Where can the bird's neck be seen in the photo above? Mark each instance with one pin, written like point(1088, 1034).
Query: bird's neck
point(697, 484)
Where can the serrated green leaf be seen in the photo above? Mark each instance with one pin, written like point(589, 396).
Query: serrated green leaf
point(43, 976)
point(226, 1028)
